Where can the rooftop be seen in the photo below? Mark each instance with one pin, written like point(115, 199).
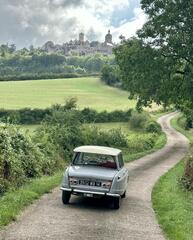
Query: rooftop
point(98, 150)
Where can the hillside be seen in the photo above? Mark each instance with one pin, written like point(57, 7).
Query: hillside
point(90, 92)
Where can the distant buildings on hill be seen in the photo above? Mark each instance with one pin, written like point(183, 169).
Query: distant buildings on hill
point(81, 47)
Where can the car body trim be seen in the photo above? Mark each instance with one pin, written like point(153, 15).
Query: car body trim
point(113, 195)
point(90, 192)
point(66, 189)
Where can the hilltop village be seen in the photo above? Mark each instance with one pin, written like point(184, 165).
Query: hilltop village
point(81, 47)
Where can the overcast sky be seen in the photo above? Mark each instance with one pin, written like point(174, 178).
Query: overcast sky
point(26, 22)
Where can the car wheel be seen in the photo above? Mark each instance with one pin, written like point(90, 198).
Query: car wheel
point(116, 202)
point(124, 195)
point(66, 197)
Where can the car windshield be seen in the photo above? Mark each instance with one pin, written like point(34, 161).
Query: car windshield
point(92, 159)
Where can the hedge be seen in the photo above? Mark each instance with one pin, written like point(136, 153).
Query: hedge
point(36, 116)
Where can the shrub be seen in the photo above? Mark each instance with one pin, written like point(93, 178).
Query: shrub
point(187, 179)
point(110, 74)
point(23, 157)
point(51, 157)
point(112, 138)
point(89, 116)
point(188, 123)
point(138, 120)
point(153, 127)
point(19, 158)
point(63, 129)
point(139, 143)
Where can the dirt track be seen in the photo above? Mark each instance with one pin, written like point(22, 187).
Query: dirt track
point(93, 219)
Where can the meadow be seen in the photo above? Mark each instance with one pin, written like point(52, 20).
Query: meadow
point(89, 91)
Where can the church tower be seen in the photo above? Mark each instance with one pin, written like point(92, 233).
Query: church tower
point(108, 38)
point(81, 38)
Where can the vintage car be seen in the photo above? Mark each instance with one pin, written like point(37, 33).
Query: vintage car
point(95, 172)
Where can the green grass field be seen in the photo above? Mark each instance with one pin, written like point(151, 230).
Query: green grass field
point(89, 91)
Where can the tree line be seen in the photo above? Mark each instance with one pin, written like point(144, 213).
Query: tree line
point(37, 64)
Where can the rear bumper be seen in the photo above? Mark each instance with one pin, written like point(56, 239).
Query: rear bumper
point(78, 191)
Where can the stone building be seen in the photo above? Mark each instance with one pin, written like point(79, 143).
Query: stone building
point(108, 38)
point(81, 38)
point(81, 47)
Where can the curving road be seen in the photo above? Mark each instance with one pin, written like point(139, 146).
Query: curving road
point(48, 219)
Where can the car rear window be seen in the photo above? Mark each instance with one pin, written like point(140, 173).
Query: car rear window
point(92, 159)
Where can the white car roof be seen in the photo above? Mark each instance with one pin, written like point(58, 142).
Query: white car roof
point(98, 150)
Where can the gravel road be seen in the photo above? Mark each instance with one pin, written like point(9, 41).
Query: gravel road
point(48, 219)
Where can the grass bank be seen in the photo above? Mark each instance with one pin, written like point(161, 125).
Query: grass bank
point(14, 201)
point(179, 124)
point(172, 204)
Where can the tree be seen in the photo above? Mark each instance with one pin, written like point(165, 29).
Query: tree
point(12, 48)
point(4, 49)
point(169, 26)
point(145, 74)
point(158, 65)
point(110, 75)
point(3, 54)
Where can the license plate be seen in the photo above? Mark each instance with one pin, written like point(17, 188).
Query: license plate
point(90, 183)
point(88, 194)
point(84, 182)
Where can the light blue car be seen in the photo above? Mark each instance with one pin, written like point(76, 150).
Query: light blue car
point(96, 172)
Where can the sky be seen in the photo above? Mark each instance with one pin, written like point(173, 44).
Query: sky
point(34, 22)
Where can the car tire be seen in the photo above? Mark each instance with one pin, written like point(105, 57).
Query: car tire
point(124, 195)
point(116, 202)
point(66, 197)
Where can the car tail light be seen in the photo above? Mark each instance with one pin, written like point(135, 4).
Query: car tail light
point(106, 184)
point(73, 181)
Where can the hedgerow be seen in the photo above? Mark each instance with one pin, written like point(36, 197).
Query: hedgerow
point(36, 116)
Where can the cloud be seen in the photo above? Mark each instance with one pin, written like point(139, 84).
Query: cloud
point(66, 3)
point(27, 22)
point(128, 29)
